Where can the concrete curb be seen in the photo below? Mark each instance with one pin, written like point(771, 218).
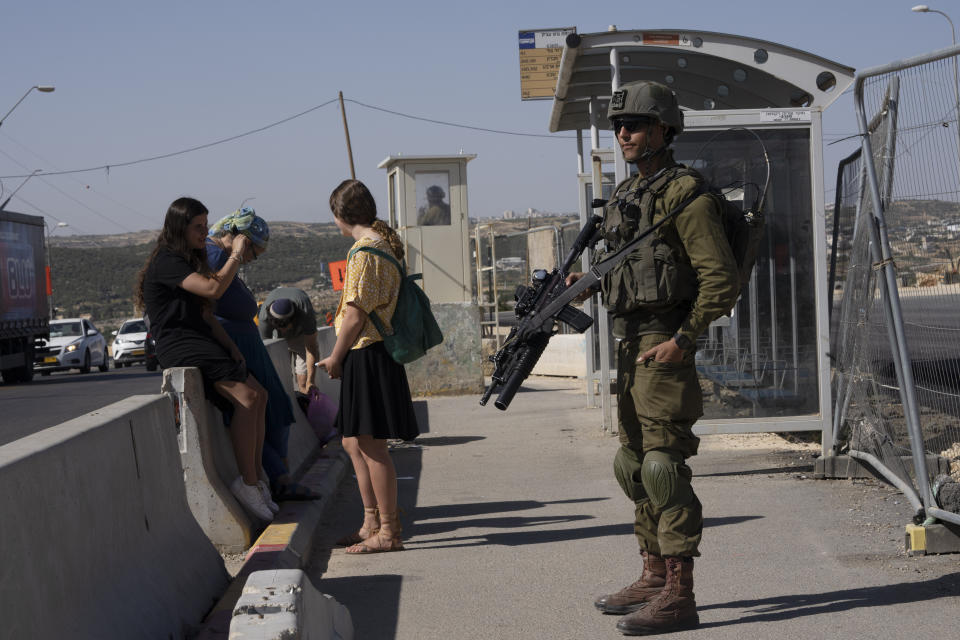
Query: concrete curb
point(286, 542)
point(284, 604)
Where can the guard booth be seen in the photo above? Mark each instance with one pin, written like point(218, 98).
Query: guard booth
point(752, 112)
point(427, 202)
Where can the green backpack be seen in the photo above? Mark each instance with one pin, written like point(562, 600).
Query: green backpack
point(415, 329)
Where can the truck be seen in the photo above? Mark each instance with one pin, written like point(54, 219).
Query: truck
point(24, 284)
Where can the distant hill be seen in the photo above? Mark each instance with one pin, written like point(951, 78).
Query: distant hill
point(95, 275)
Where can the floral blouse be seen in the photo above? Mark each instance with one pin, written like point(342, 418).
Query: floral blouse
point(372, 283)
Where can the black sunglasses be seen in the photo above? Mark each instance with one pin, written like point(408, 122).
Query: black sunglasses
point(631, 124)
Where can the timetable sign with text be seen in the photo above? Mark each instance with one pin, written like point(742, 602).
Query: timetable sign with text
point(540, 53)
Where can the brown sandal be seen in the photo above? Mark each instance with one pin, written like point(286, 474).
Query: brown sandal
point(386, 539)
point(357, 537)
point(384, 545)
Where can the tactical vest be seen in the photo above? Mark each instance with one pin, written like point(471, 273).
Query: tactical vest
point(656, 276)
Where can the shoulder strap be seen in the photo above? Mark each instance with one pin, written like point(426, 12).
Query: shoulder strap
point(655, 187)
point(658, 186)
point(623, 183)
point(382, 254)
point(377, 323)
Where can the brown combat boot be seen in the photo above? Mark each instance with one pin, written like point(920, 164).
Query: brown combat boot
point(634, 596)
point(674, 609)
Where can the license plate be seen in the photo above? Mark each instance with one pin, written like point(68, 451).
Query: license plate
point(137, 352)
point(49, 360)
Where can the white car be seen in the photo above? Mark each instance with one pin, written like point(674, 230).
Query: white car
point(75, 343)
point(128, 343)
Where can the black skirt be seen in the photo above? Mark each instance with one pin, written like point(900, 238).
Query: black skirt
point(375, 396)
point(191, 349)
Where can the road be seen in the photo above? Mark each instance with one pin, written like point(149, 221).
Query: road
point(513, 523)
point(50, 400)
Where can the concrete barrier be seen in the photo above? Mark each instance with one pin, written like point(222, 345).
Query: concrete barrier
point(565, 355)
point(303, 442)
point(281, 605)
point(97, 537)
point(209, 464)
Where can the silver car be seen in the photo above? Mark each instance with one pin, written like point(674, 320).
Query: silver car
point(75, 343)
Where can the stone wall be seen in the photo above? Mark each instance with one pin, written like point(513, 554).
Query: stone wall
point(454, 366)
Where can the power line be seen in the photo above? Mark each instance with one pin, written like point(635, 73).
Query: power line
point(457, 125)
point(50, 215)
point(107, 167)
point(65, 194)
point(46, 163)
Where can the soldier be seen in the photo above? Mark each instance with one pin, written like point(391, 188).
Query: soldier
point(436, 211)
point(661, 297)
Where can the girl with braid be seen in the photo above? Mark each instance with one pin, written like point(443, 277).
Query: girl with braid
point(375, 401)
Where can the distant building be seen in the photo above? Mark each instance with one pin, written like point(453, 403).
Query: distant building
point(509, 214)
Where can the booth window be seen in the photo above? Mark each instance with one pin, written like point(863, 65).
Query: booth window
point(433, 198)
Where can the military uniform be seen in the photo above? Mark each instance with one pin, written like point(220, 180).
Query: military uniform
point(434, 214)
point(675, 283)
point(662, 296)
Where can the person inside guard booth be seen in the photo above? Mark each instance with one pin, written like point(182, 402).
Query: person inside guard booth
point(661, 298)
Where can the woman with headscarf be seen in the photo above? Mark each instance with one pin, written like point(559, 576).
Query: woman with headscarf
point(235, 310)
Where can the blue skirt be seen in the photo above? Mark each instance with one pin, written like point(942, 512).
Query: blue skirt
point(279, 409)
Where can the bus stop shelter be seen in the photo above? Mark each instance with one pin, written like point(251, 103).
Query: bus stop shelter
point(752, 113)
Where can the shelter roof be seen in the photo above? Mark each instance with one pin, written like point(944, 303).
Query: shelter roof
point(707, 71)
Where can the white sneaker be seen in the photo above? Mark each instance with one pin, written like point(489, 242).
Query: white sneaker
point(267, 498)
point(250, 499)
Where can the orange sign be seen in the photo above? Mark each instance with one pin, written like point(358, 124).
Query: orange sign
point(338, 270)
point(661, 38)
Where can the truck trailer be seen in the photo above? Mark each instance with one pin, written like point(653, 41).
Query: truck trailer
point(24, 311)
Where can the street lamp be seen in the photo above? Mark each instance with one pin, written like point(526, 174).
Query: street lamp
point(922, 8)
point(59, 225)
point(4, 205)
point(45, 88)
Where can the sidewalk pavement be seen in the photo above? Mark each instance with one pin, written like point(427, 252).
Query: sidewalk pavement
point(513, 523)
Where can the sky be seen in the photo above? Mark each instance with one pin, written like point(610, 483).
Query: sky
point(135, 80)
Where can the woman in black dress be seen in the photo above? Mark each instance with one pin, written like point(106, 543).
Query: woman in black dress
point(176, 288)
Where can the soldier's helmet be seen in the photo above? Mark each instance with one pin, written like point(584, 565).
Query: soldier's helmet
point(650, 99)
point(435, 193)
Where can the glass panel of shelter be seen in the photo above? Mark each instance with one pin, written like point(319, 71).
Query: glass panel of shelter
point(761, 361)
point(765, 354)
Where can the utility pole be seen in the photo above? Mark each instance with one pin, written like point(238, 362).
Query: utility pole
point(346, 131)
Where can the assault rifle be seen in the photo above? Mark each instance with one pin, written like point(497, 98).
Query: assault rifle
point(537, 312)
point(542, 305)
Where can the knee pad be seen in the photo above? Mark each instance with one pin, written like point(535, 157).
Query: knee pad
point(626, 468)
point(664, 482)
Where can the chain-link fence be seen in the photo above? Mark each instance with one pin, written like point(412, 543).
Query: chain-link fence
point(896, 334)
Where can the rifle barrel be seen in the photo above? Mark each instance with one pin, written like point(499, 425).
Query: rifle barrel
point(584, 239)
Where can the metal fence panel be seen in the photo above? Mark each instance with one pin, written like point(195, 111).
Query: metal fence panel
point(897, 336)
